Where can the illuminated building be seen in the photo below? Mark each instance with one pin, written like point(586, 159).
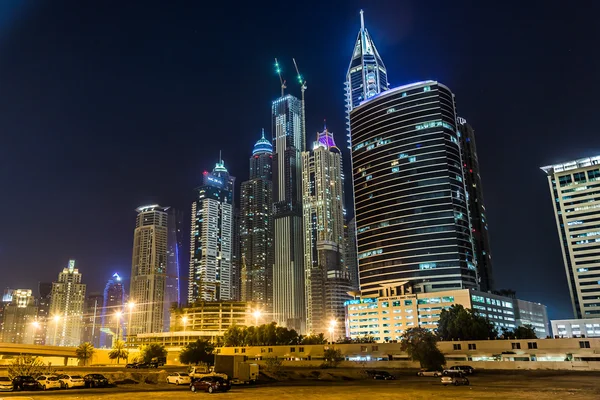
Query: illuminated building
point(149, 269)
point(20, 318)
point(351, 257)
point(575, 199)
point(210, 275)
point(256, 230)
point(477, 211)
point(327, 279)
point(174, 263)
point(412, 219)
point(113, 301)
point(288, 272)
point(366, 76)
point(66, 308)
point(43, 304)
point(92, 319)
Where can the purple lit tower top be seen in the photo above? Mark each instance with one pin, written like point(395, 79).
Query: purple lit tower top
point(325, 139)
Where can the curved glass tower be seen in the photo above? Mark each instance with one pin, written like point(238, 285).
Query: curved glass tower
point(411, 212)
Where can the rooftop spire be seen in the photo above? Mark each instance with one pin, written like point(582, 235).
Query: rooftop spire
point(362, 20)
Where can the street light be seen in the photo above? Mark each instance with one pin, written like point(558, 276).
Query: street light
point(56, 318)
point(332, 325)
point(257, 314)
point(331, 334)
point(118, 315)
point(130, 306)
point(184, 319)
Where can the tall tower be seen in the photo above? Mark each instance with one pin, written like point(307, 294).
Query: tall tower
point(210, 276)
point(19, 318)
point(366, 76)
point(412, 217)
point(350, 255)
point(327, 280)
point(573, 187)
point(66, 308)
point(174, 250)
point(288, 271)
point(149, 269)
point(113, 300)
point(477, 212)
point(256, 229)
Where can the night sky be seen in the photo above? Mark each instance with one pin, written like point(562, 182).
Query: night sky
point(108, 105)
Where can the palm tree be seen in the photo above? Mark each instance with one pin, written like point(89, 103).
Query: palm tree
point(119, 351)
point(84, 352)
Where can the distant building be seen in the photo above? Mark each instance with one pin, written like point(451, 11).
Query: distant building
point(534, 314)
point(114, 301)
point(66, 308)
point(351, 256)
point(20, 318)
point(6, 300)
point(175, 261)
point(210, 274)
point(568, 328)
point(574, 192)
point(43, 304)
point(149, 269)
point(92, 319)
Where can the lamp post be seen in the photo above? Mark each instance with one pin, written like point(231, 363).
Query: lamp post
point(130, 306)
point(184, 319)
point(332, 325)
point(256, 314)
point(34, 327)
point(118, 315)
point(56, 319)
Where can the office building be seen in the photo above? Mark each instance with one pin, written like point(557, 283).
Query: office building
point(66, 308)
point(289, 307)
point(534, 314)
point(92, 320)
point(412, 219)
point(569, 328)
point(327, 279)
point(174, 262)
point(112, 310)
point(575, 199)
point(351, 256)
point(43, 304)
point(214, 316)
point(149, 269)
point(236, 256)
point(6, 300)
point(20, 318)
point(256, 229)
point(477, 211)
point(210, 275)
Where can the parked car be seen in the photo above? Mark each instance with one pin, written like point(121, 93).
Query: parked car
point(430, 372)
point(47, 382)
point(25, 382)
point(455, 379)
point(381, 375)
point(210, 384)
point(465, 369)
point(179, 378)
point(95, 380)
point(6, 384)
point(71, 381)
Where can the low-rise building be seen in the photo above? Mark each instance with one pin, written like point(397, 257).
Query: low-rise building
point(214, 316)
point(534, 314)
point(567, 328)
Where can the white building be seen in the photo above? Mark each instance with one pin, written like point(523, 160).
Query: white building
point(568, 328)
point(66, 308)
point(19, 319)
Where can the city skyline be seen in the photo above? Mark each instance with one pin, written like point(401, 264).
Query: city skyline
point(510, 258)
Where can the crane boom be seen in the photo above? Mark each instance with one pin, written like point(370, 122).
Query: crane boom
point(281, 80)
point(302, 83)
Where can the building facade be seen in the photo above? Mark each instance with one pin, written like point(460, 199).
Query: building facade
point(289, 307)
point(256, 229)
point(92, 319)
point(113, 303)
point(43, 304)
point(66, 308)
point(351, 256)
point(327, 279)
point(569, 328)
point(574, 187)
point(477, 212)
point(20, 318)
point(174, 263)
point(210, 275)
point(411, 208)
point(149, 269)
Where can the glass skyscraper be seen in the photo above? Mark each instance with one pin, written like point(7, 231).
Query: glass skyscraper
point(411, 208)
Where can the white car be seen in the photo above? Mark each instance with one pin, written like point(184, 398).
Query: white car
point(179, 378)
point(429, 372)
point(71, 381)
point(48, 382)
point(6, 384)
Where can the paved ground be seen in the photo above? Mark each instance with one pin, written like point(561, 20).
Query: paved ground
point(524, 385)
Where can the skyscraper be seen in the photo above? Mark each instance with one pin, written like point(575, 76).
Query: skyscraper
point(93, 313)
point(411, 208)
point(477, 212)
point(114, 299)
point(366, 76)
point(149, 269)
point(288, 272)
point(19, 319)
point(174, 258)
point(256, 229)
point(573, 187)
point(211, 237)
point(66, 308)
point(327, 279)
point(350, 253)
point(43, 303)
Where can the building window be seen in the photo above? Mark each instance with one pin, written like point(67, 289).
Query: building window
point(376, 348)
point(243, 350)
point(532, 345)
point(292, 349)
point(236, 350)
point(270, 350)
point(472, 346)
point(363, 349)
point(516, 346)
point(457, 346)
point(584, 344)
point(301, 349)
point(262, 350)
point(408, 302)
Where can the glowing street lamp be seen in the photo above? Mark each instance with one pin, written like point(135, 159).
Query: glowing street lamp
point(130, 307)
point(184, 319)
point(56, 319)
point(256, 314)
point(118, 315)
point(332, 325)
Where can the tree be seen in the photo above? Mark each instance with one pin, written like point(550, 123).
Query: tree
point(197, 352)
point(152, 350)
point(459, 323)
point(313, 339)
point(84, 352)
point(233, 336)
point(273, 364)
point(28, 365)
point(520, 332)
point(118, 351)
point(332, 358)
point(421, 346)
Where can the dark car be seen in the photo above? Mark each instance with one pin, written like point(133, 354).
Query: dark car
point(455, 379)
point(25, 382)
point(465, 369)
point(210, 384)
point(380, 375)
point(95, 380)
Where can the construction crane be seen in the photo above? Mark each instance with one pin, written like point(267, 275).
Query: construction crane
point(281, 80)
point(302, 83)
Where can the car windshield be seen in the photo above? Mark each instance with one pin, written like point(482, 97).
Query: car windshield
point(76, 377)
point(52, 378)
point(183, 374)
point(4, 379)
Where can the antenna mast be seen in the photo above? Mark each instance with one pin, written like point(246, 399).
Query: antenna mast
point(302, 83)
point(281, 80)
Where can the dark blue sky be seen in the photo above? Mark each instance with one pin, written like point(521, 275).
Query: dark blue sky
point(107, 105)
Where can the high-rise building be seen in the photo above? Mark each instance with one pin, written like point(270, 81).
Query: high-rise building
point(149, 269)
point(256, 230)
point(288, 271)
point(174, 263)
point(43, 304)
point(236, 257)
point(366, 76)
point(573, 187)
point(351, 256)
point(327, 279)
point(66, 308)
point(411, 209)
point(93, 315)
point(6, 300)
point(20, 318)
point(112, 309)
point(477, 212)
point(211, 237)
